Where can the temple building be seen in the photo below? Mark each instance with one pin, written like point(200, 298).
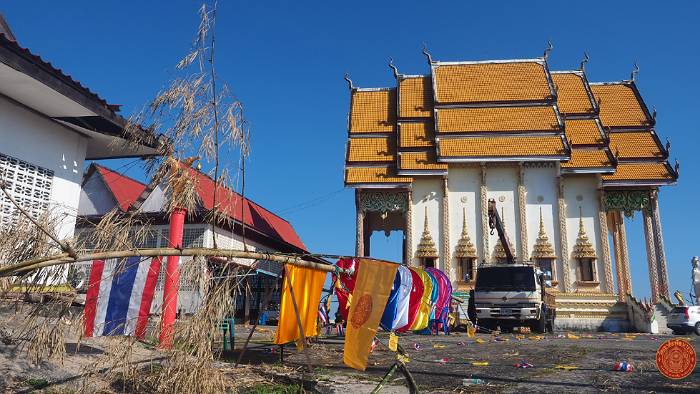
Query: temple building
point(566, 160)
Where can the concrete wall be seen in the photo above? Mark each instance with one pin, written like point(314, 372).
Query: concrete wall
point(502, 185)
point(427, 192)
point(541, 194)
point(581, 191)
point(30, 137)
point(463, 192)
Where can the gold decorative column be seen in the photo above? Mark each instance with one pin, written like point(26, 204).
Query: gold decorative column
point(408, 233)
point(660, 251)
point(621, 291)
point(651, 255)
point(447, 256)
point(359, 226)
point(563, 241)
point(522, 210)
point(625, 253)
point(605, 244)
point(486, 251)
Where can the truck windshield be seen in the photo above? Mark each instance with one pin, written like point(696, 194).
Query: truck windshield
point(505, 278)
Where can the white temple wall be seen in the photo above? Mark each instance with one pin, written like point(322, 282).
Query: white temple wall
point(541, 193)
point(502, 185)
point(427, 192)
point(581, 191)
point(463, 185)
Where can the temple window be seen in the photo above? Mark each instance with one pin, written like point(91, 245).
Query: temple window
point(427, 252)
point(585, 257)
point(543, 253)
point(465, 252)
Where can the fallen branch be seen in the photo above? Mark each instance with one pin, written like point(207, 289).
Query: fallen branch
point(60, 259)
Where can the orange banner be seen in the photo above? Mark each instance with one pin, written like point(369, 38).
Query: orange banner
point(372, 289)
point(307, 284)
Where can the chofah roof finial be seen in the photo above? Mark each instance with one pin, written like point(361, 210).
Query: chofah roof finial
point(499, 252)
point(543, 248)
point(465, 248)
point(583, 248)
point(426, 247)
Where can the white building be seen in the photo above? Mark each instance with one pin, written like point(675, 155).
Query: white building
point(562, 158)
point(49, 125)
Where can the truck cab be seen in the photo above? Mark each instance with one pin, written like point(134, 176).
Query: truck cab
point(511, 295)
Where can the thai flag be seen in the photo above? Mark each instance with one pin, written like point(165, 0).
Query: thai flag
point(119, 296)
point(323, 315)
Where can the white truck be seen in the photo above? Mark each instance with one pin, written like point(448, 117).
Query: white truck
point(511, 294)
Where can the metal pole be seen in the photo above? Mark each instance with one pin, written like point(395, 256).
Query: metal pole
point(172, 278)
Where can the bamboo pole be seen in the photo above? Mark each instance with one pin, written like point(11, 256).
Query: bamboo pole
point(62, 258)
point(302, 334)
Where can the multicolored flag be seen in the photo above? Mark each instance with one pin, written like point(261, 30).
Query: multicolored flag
point(119, 296)
point(369, 297)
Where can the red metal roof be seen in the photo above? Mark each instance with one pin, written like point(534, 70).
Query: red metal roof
point(124, 189)
point(245, 211)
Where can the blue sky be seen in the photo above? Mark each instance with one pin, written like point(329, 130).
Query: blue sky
point(285, 61)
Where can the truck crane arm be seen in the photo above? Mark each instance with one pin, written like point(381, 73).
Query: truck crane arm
point(496, 223)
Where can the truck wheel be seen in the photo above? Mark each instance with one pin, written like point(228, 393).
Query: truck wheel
point(697, 328)
point(541, 325)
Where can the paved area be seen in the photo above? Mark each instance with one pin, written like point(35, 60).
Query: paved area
point(561, 363)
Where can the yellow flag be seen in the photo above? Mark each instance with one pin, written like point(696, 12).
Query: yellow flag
point(307, 285)
point(372, 289)
point(393, 342)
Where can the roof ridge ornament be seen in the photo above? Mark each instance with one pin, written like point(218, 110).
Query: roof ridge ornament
point(677, 168)
point(582, 65)
point(668, 145)
point(635, 71)
point(349, 81)
point(393, 68)
point(427, 54)
point(653, 113)
point(548, 49)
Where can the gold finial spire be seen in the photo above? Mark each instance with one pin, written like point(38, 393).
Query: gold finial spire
point(426, 247)
point(543, 248)
point(583, 248)
point(465, 248)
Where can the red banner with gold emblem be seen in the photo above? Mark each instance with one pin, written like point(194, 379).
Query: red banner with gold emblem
point(372, 289)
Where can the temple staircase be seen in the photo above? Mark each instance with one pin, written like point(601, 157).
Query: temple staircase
point(661, 314)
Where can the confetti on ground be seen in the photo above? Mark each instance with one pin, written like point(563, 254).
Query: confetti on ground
point(479, 340)
point(442, 361)
point(566, 367)
point(417, 346)
point(523, 364)
point(536, 338)
point(439, 346)
point(572, 336)
point(519, 337)
point(480, 363)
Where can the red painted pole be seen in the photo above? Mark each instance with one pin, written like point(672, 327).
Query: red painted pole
point(172, 279)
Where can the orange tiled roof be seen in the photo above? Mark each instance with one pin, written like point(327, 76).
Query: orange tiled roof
point(619, 106)
point(482, 82)
point(378, 149)
point(420, 161)
point(537, 118)
point(640, 172)
point(634, 145)
point(592, 158)
point(416, 134)
point(416, 97)
point(521, 146)
point(572, 96)
point(373, 111)
point(355, 175)
point(583, 132)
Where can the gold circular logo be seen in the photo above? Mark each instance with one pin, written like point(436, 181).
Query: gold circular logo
point(676, 359)
point(363, 308)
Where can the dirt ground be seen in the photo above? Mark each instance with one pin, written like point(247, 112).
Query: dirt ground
point(440, 365)
point(443, 362)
